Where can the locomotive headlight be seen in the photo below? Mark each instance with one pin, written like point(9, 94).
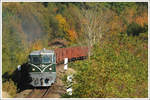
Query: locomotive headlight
point(33, 69)
point(50, 68)
point(43, 65)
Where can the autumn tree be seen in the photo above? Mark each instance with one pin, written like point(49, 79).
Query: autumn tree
point(93, 24)
point(70, 33)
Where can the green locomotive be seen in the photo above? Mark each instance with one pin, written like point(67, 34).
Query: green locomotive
point(42, 68)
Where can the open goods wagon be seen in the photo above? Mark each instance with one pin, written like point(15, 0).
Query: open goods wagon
point(70, 53)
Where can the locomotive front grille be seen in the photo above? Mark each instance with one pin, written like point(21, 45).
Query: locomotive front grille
point(42, 79)
point(46, 80)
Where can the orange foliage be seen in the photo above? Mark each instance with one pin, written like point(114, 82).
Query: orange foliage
point(116, 25)
point(65, 26)
point(131, 13)
point(55, 9)
point(142, 19)
point(37, 45)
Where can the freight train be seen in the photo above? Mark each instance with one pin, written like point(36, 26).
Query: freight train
point(42, 63)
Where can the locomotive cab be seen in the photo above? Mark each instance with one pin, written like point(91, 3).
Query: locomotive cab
point(42, 67)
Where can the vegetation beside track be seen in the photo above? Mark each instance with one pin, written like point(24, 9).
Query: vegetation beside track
point(120, 41)
point(116, 69)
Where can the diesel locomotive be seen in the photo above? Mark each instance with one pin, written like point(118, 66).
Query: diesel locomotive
point(42, 68)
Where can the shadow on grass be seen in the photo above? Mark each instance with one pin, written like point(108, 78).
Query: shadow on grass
point(21, 78)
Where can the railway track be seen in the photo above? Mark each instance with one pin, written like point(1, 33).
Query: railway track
point(54, 91)
point(31, 93)
point(46, 92)
point(38, 93)
point(58, 90)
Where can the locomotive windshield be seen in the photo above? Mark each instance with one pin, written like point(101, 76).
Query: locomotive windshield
point(35, 59)
point(46, 58)
point(42, 57)
point(38, 59)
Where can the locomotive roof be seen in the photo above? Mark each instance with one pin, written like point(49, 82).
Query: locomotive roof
point(44, 51)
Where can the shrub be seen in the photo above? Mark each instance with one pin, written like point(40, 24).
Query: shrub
point(135, 29)
point(10, 87)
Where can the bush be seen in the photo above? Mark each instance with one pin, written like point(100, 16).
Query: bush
point(135, 29)
point(10, 88)
point(64, 78)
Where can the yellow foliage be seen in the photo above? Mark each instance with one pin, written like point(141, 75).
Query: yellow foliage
point(72, 34)
point(62, 22)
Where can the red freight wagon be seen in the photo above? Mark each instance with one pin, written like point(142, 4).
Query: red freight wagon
point(82, 51)
point(68, 53)
point(73, 52)
point(76, 51)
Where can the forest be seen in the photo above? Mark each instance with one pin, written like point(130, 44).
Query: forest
point(117, 64)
